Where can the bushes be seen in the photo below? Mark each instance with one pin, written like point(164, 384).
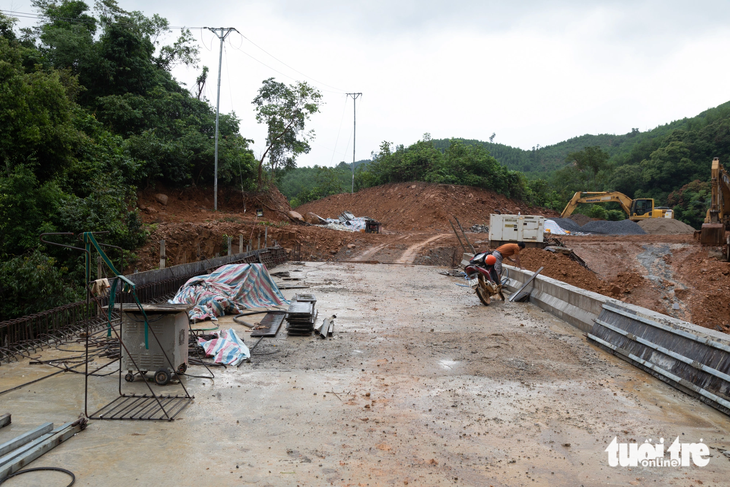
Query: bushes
point(32, 283)
point(468, 165)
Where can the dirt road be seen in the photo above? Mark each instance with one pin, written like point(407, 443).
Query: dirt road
point(402, 249)
point(421, 385)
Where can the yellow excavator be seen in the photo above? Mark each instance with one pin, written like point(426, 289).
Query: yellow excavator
point(717, 220)
point(638, 209)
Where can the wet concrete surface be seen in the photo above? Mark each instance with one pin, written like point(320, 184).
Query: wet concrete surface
point(420, 385)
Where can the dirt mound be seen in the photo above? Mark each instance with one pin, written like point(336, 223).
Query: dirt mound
point(421, 206)
point(665, 226)
point(195, 204)
point(707, 292)
point(562, 268)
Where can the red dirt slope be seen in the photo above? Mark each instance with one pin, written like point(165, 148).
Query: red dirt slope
point(421, 206)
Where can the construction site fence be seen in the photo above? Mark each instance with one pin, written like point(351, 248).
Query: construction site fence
point(32, 331)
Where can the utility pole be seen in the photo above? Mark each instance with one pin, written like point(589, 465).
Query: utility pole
point(354, 96)
point(222, 36)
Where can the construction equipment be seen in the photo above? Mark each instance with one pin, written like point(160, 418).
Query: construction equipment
point(170, 323)
point(529, 229)
point(638, 209)
point(717, 220)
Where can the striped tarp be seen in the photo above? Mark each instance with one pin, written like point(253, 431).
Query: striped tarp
point(229, 289)
point(226, 349)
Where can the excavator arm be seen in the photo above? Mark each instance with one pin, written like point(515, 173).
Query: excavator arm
point(597, 197)
point(717, 219)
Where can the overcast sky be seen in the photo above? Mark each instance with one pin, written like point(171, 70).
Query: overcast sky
point(533, 72)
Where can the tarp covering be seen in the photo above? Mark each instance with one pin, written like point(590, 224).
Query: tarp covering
point(231, 288)
point(356, 224)
point(554, 228)
point(227, 349)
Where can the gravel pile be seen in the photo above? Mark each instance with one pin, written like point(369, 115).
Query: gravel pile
point(665, 226)
point(580, 219)
point(567, 224)
point(622, 227)
point(603, 227)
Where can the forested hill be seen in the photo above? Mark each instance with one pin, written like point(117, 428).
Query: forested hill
point(541, 161)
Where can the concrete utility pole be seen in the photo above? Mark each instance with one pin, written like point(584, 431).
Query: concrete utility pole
point(222, 36)
point(354, 133)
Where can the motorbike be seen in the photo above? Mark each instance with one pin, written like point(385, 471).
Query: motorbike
point(483, 277)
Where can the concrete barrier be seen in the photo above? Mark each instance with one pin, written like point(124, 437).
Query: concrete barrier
point(202, 266)
point(693, 359)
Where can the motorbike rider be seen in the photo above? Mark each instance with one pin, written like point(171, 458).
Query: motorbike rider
point(507, 251)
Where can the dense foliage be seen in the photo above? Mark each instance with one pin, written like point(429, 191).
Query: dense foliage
point(459, 163)
point(305, 184)
point(88, 113)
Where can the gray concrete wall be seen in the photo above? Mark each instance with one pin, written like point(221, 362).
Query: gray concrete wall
point(191, 269)
point(580, 307)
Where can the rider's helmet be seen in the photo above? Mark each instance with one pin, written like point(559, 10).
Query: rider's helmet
point(490, 260)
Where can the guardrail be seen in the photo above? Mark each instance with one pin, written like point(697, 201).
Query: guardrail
point(32, 332)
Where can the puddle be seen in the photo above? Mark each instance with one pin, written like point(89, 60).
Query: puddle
point(448, 364)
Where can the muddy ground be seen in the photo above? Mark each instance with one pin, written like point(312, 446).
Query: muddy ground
point(420, 385)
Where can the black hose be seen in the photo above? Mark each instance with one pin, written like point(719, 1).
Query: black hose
point(40, 469)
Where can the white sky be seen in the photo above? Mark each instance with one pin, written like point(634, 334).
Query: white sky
point(533, 72)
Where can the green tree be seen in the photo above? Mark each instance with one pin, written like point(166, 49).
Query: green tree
point(285, 111)
point(32, 283)
point(691, 202)
point(590, 160)
point(35, 116)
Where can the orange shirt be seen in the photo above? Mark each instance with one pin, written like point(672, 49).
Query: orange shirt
point(508, 250)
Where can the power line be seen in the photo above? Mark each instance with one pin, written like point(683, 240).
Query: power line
point(339, 129)
point(281, 72)
point(293, 69)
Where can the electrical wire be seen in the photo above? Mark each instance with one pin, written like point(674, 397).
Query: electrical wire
point(228, 73)
point(286, 75)
point(293, 69)
point(202, 41)
point(342, 119)
point(41, 469)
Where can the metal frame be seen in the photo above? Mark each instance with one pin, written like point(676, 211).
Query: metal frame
point(519, 294)
point(142, 407)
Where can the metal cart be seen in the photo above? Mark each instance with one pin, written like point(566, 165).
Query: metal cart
point(165, 356)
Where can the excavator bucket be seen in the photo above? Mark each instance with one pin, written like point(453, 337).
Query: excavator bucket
point(712, 234)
